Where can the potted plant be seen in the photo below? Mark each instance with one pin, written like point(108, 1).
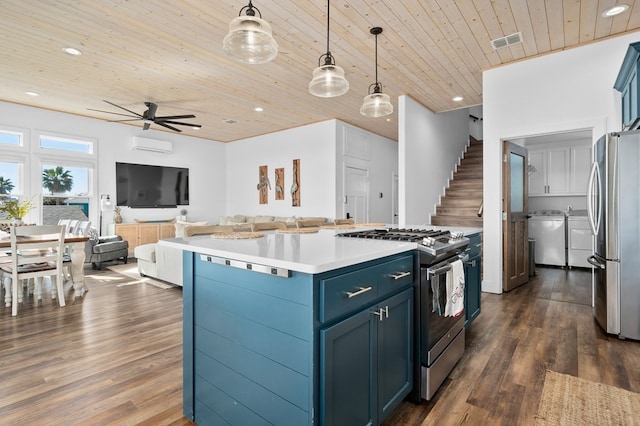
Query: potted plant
point(15, 209)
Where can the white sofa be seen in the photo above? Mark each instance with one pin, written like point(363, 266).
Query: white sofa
point(160, 261)
point(165, 263)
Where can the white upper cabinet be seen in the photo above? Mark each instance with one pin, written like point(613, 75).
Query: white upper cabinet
point(559, 170)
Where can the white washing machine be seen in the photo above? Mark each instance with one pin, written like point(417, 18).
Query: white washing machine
point(548, 228)
point(579, 241)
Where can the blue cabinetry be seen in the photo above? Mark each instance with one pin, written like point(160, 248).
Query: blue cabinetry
point(266, 349)
point(366, 363)
point(473, 279)
point(627, 84)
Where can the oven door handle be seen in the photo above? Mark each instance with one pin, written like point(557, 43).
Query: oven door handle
point(439, 270)
point(443, 267)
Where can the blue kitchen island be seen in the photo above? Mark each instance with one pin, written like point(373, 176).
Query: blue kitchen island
point(296, 329)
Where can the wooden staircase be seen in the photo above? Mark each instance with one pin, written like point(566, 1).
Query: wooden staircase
point(462, 200)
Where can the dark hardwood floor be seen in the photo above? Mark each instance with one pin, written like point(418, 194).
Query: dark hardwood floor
point(114, 356)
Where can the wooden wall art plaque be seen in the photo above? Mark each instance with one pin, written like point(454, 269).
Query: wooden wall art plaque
point(263, 184)
point(280, 184)
point(295, 186)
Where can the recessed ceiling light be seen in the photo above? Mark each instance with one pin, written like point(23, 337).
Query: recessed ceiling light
point(32, 93)
point(615, 10)
point(196, 127)
point(72, 51)
point(258, 109)
point(457, 99)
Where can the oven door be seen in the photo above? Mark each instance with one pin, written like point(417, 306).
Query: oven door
point(435, 326)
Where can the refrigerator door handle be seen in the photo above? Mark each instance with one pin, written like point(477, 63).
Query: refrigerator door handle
point(594, 204)
point(596, 262)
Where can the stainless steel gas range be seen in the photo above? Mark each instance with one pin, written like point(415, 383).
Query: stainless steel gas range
point(439, 338)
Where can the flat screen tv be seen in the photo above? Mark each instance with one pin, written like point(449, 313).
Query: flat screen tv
point(147, 186)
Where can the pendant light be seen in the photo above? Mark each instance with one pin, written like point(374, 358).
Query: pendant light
point(376, 104)
point(249, 39)
point(328, 79)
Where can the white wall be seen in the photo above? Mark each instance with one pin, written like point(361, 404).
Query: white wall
point(430, 146)
point(565, 91)
point(314, 145)
point(205, 159)
point(379, 155)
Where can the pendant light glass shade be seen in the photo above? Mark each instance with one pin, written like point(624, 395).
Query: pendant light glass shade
point(250, 39)
point(328, 79)
point(376, 104)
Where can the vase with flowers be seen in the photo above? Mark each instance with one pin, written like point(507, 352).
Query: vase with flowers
point(15, 209)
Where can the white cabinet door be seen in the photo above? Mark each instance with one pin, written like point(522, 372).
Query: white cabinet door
point(537, 176)
point(558, 171)
point(580, 165)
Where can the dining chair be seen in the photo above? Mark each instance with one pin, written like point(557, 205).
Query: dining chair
point(36, 252)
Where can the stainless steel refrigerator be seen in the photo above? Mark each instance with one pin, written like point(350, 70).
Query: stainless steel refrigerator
point(613, 208)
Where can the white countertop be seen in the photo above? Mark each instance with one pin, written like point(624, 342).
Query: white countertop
point(309, 253)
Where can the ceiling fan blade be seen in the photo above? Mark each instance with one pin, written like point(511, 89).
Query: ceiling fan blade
point(174, 117)
point(179, 123)
point(128, 110)
point(168, 127)
point(111, 112)
point(130, 119)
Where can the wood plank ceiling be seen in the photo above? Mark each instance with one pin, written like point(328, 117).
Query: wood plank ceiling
point(170, 52)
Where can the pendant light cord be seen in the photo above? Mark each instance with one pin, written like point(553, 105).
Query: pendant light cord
point(376, 59)
point(328, 11)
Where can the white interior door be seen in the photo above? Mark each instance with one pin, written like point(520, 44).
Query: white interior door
point(356, 194)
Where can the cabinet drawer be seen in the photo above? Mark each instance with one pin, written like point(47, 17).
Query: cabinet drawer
point(395, 274)
point(347, 292)
point(475, 245)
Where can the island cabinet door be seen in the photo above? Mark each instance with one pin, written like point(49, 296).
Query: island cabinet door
point(366, 364)
point(395, 352)
point(347, 371)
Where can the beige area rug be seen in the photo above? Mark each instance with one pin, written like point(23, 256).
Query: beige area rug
point(569, 400)
point(131, 270)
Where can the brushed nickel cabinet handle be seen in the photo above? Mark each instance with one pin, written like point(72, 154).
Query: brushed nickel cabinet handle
point(400, 275)
point(361, 290)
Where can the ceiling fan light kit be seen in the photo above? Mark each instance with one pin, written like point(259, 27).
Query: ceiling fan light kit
point(328, 79)
point(250, 38)
point(376, 104)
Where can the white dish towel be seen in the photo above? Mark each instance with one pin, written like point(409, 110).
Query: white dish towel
point(455, 289)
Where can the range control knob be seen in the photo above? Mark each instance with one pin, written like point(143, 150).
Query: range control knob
point(429, 241)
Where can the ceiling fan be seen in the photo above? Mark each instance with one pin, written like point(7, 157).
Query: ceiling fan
point(149, 117)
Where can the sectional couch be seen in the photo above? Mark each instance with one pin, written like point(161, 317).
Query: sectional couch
point(165, 263)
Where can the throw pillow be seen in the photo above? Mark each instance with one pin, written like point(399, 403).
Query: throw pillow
point(180, 225)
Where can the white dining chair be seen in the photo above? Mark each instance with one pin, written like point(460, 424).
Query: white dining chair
point(36, 252)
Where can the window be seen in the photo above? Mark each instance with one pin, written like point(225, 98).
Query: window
point(10, 182)
point(8, 137)
point(65, 191)
point(65, 144)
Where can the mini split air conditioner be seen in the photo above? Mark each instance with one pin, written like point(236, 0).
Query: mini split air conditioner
point(153, 145)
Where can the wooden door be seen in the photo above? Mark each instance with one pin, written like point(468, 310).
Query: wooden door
point(148, 233)
point(515, 247)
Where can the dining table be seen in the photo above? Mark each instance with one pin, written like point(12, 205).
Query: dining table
point(76, 245)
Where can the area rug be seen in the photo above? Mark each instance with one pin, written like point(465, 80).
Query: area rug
point(569, 400)
point(131, 270)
